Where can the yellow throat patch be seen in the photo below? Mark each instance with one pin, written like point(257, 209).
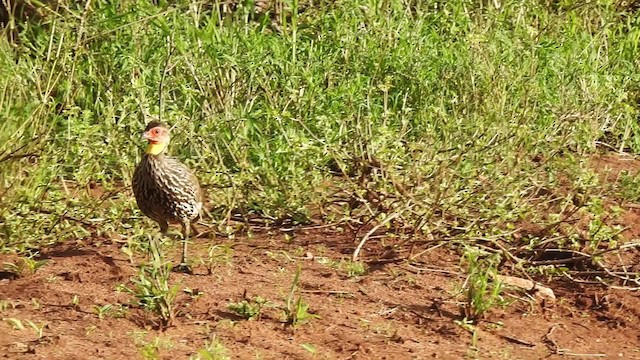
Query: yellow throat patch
point(155, 148)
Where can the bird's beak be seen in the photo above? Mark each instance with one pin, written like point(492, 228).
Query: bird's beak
point(146, 136)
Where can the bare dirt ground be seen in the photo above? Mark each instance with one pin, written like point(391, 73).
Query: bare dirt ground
point(395, 310)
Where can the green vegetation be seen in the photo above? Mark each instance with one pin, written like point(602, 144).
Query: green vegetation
point(296, 310)
point(150, 350)
point(217, 255)
point(451, 118)
point(465, 122)
point(213, 350)
point(350, 268)
point(153, 291)
point(109, 310)
point(353, 268)
point(24, 266)
point(17, 324)
point(481, 289)
point(249, 309)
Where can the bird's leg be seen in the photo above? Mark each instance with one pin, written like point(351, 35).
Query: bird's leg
point(194, 229)
point(184, 267)
point(185, 237)
point(164, 227)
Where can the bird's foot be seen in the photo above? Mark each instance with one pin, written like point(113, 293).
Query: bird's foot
point(183, 268)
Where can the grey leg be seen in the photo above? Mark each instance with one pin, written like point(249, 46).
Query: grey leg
point(184, 267)
point(185, 237)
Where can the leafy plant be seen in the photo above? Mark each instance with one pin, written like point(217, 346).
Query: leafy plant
point(296, 310)
point(25, 265)
point(310, 348)
point(150, 350)
point(17, 324)
point(481, 289)
point(5, 305)
point(354, 268)
point(249, 309)
point(217, 255)
point(472, 328)
point(154, 292)
point(75, 301)
point(213, 350)
point(108, 310)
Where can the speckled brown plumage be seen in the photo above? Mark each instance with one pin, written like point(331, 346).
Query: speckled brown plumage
point(166, 190)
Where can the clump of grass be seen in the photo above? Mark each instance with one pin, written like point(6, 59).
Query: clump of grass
point(249, 309)
point(18, 324)
point(108, 310)
point(25, 266)
point(217, 255)
point(456, 120)
point(6, 304)
point(150, 350)
point(354, 268)
point(153, 291)
point(213, 350)
point(296, 310)
point(481, 289)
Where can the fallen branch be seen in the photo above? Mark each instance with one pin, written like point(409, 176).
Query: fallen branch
point(372, 231)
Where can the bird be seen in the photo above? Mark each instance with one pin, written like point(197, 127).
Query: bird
point(166, 190)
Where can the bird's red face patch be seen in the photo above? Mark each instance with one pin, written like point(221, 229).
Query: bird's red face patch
point(157, 135)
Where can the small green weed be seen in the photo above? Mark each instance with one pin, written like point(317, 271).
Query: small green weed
point(194, 294)
point(153, 291)
point(249, 309)
point(353, 268)
point(481, 290)
point(17, 324)
point(628, 186)
point(24, 266)
point(217, 255)
point(296, 310)
point(109, 310)
point(469, 326)
point(75, 301)
point(310, 348)
point(213, 350)
point(35, 304)
point(150, 350)
point(5, 305)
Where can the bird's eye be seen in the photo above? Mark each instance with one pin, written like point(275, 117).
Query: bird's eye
point(155, 131)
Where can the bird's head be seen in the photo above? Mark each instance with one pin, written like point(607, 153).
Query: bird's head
point(157, 134)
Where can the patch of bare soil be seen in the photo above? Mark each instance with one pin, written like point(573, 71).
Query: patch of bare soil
point(612, 165)
point(393, 311)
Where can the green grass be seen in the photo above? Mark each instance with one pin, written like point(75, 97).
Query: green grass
point(213, 350)
point(250, 309)
point(458, 119)
point(153, 291)
point(481, 289)
point(296, 309)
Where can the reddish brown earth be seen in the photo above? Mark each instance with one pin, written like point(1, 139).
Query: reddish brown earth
point(395, 310)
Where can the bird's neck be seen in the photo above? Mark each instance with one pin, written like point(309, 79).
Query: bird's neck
point(155, 148)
